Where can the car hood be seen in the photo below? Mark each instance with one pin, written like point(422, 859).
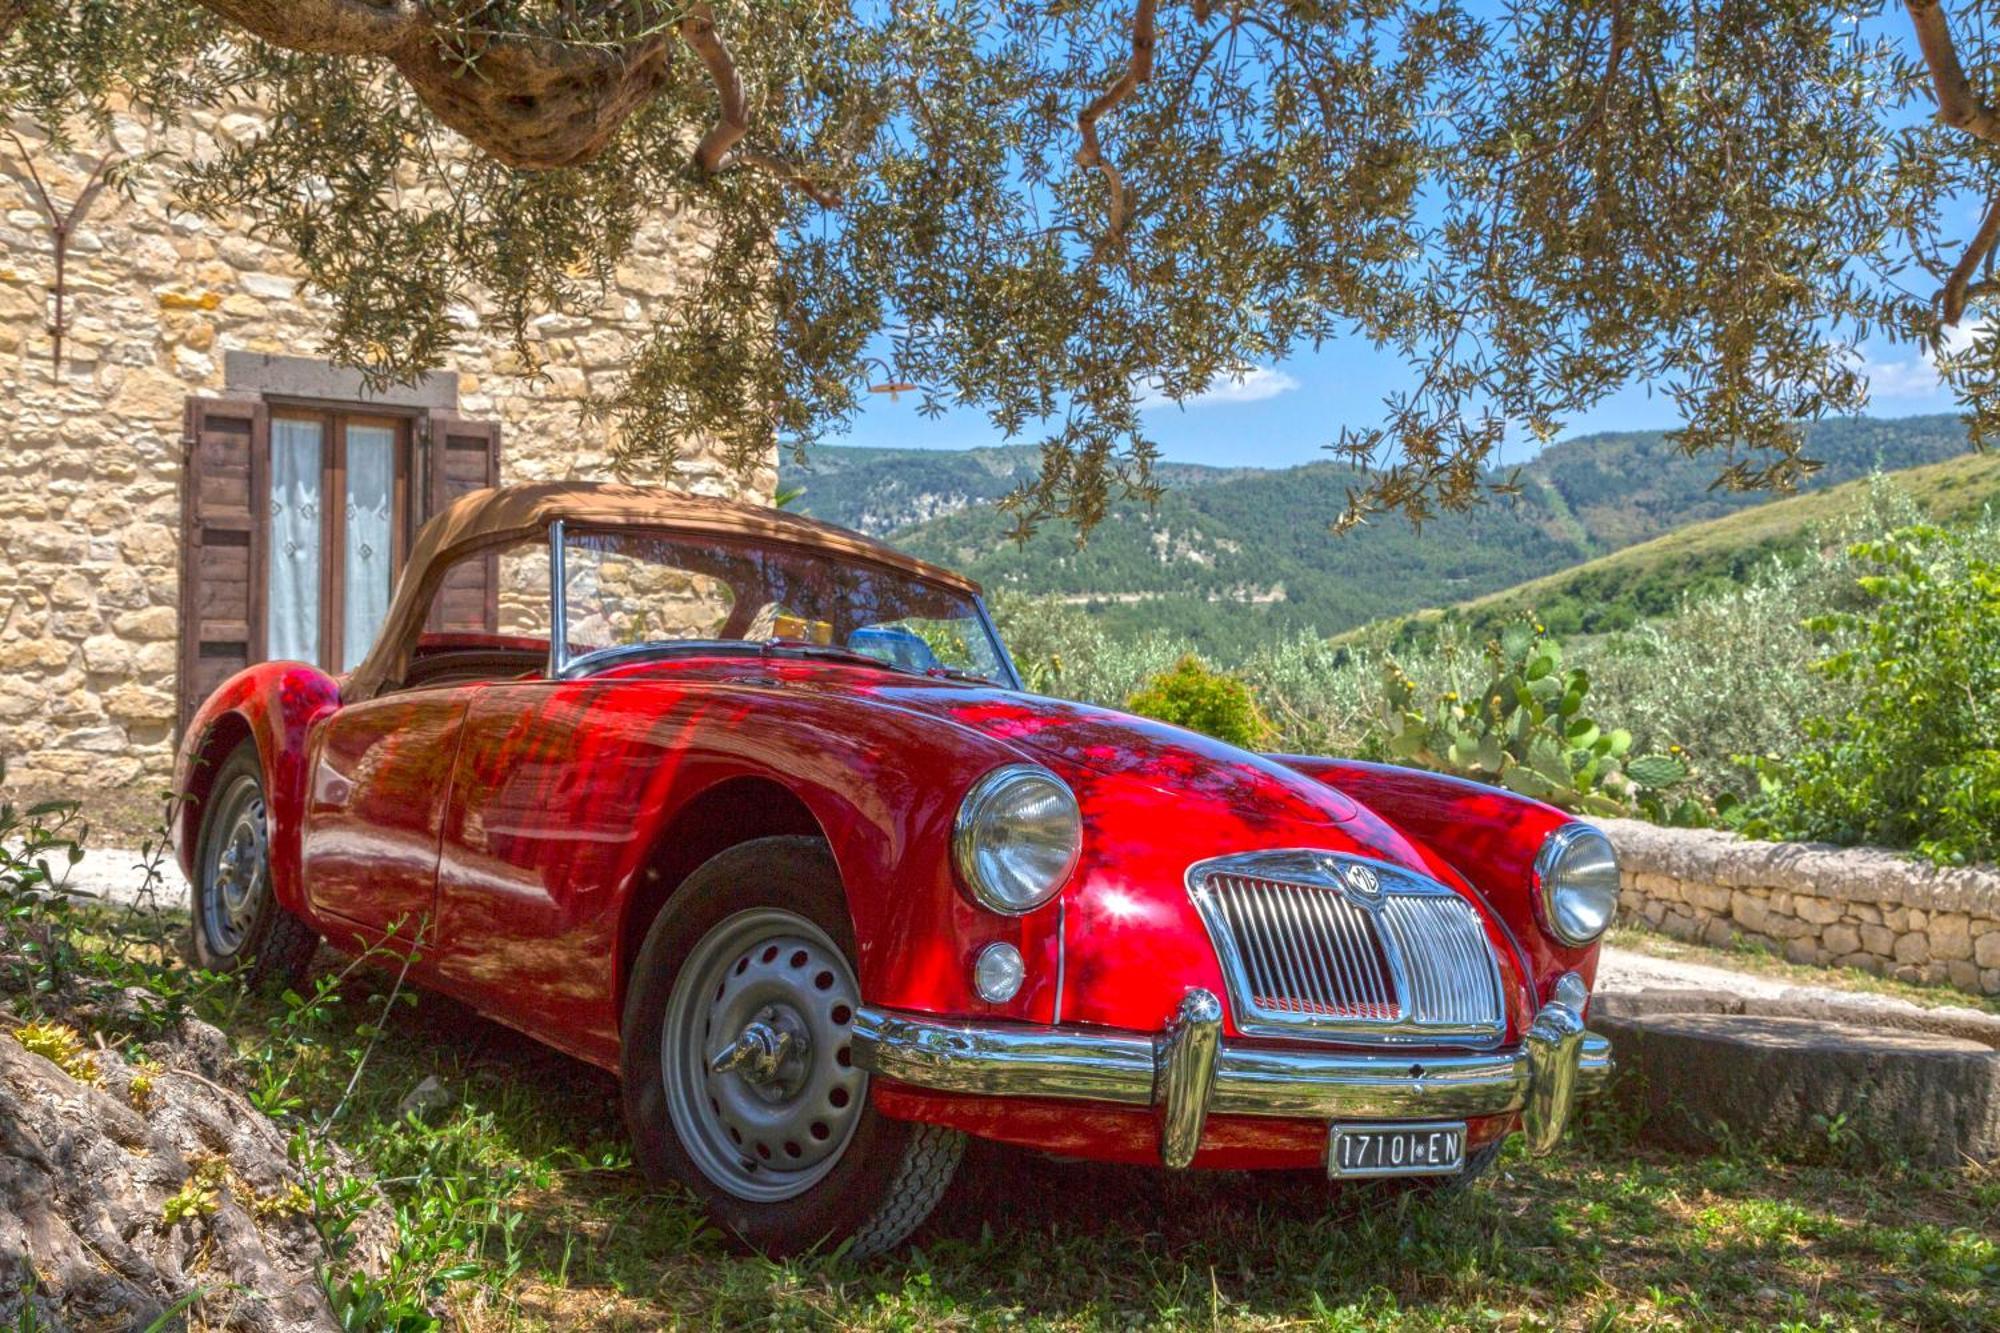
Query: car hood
point(1177, 763)
point(1156, 801)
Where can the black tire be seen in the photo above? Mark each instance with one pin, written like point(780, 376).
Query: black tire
point(259, 939)
point(886, 1176)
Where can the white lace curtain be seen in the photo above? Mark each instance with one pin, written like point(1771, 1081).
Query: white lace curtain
point(292, 589)
point(371, 496)
point(298, 539)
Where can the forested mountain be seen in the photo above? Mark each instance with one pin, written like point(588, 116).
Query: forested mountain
point(1231, 555)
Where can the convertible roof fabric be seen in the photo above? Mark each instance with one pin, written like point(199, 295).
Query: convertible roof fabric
point(503, 515)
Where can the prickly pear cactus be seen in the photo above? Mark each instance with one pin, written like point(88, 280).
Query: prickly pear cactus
point(1526, 731)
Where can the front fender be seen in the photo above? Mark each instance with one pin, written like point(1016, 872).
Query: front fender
point(276, 704)
point(1486, 835)
point(883, 785)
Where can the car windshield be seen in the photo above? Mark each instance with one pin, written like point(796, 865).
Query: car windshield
point(625, 589)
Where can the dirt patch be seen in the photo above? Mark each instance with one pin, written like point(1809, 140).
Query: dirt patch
point(126, 816)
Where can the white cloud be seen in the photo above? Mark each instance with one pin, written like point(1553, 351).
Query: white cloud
point(1253, 384)
point(1914, 376)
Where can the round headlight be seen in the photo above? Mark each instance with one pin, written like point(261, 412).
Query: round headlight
point(1017, 838)
point(1576, 875)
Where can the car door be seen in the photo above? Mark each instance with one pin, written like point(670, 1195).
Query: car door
point(538, 845)
point(376, 794)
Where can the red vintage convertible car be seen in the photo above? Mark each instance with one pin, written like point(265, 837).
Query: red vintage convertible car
point(755, 812)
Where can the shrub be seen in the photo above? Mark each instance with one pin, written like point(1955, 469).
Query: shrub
point(1319, 697)
point(1912, 762)
point(1193, 695)
point(38, 845)
point(1722, 679)
point(1525, 729)
point(1725, 676)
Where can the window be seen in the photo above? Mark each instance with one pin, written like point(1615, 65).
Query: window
point(339, 526)
point(297, 517)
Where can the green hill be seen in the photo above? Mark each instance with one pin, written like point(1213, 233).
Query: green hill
point(1230, 556)
point(1649, 579)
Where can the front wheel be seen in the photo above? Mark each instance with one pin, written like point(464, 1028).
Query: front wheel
point(738, 1074)
point(239, 925)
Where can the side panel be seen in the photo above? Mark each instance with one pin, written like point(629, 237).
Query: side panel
point(1486, 835)
point(379, 778)
point(562, 789)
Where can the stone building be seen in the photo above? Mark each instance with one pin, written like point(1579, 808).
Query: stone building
point(190, 490)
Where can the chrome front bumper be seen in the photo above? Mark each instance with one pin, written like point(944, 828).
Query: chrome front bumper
point(1186, 1072)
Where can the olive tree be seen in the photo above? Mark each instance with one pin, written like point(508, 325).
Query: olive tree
point(1050, 211)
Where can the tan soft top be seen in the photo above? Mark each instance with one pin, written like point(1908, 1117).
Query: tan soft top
point(503, 515)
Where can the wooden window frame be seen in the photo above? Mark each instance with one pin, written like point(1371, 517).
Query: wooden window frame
point(334, 420)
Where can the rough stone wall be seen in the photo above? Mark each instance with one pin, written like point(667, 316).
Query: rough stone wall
point(1813, 903)
point(90, 452)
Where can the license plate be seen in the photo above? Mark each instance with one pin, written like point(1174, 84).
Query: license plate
point(1404, 1149)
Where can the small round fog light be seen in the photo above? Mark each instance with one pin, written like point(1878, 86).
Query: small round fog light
point(998, 973)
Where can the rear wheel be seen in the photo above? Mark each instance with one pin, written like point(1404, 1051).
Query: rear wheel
point(238, 924)
point(738, 1073)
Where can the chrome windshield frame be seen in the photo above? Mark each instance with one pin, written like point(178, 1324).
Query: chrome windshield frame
point(558, 604)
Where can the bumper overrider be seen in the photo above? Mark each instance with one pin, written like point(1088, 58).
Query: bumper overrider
point(1186, 1071)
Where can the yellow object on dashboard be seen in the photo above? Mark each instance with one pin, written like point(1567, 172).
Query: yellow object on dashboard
point(807, 631)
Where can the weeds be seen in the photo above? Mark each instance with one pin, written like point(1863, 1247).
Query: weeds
point(61, 1046)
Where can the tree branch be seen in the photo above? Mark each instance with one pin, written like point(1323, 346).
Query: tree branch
point(528, 100)
point(1091, 153)
point(331, 27)
point(732, 119)
point(1958, 106)
point(718, 150)
point(1958, 287)
point(780, 170)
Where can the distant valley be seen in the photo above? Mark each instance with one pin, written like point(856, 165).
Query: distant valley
point(1232, 555)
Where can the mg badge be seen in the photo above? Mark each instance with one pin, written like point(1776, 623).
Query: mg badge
point(1361, 881)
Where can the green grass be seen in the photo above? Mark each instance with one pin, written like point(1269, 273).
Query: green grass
point(1603, 1235)
point(1648, 578)
point(518, 1210)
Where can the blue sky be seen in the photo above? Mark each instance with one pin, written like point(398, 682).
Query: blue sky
point(1287, 414)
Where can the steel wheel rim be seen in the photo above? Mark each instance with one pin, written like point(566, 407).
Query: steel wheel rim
point(236, 876)
point(755, 1056)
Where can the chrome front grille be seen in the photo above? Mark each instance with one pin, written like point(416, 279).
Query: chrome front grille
point(1324, 944)
point(1306, 949)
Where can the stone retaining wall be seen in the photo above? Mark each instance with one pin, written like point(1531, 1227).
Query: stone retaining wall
point(1813, 903)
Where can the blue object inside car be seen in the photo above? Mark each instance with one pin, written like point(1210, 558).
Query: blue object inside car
point(895, 645)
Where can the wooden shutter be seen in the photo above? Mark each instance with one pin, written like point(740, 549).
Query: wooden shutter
point(224, 499)
point(463, 456)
